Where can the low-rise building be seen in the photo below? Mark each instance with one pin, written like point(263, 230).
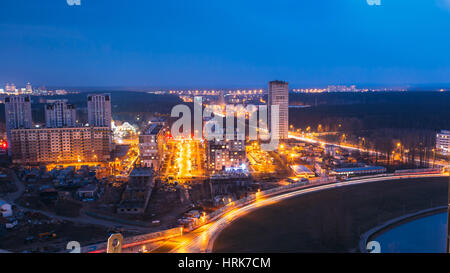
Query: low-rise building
point(136, 196)
point(226, 183)
point(89, 191)
point(302, 171)
point(443, 142)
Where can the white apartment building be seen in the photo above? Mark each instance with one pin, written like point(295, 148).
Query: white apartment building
point(58, 113)
point(99, 110)
point(17, 114)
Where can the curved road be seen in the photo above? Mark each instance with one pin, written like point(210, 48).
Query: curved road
point(202, 239)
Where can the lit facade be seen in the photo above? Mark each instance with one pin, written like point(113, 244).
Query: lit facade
point(279, 95)
point(151, 145)
point(443, 142)
point(225, 154)
point(17, 114)
point(10, 88)
point(29, 88)
point(60, 145)
point(58, 113)
point(99, 110)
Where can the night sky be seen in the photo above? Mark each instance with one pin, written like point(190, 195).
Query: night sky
point(218, 43)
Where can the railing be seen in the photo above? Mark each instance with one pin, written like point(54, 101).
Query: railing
point(252, 198)
point(174, 232)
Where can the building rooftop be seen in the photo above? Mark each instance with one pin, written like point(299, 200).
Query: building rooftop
point(88, 188)
point(153, 129)
point(142, 172)
point(278, 82)
point(158, 119)
point(301, 169)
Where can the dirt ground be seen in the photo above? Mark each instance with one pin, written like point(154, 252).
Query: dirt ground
point(14, 240)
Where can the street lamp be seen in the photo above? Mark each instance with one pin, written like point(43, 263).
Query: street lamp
point(292, 158)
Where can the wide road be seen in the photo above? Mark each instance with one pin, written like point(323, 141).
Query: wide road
point(184, 160)
point(202, 240)
point(297, 136)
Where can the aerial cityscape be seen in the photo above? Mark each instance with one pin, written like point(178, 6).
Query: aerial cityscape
point(131, 135)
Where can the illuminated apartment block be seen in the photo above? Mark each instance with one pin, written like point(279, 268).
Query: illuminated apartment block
point(222, 155)
point(151, 145)
point(99, 110)
point(60, 145)
point(58, 113)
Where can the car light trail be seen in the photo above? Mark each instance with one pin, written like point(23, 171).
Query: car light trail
point(204, 241)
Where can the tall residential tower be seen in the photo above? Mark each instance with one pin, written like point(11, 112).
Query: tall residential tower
point(99, 110)
point(17, 114)
point(279, 95)
point(58, 113)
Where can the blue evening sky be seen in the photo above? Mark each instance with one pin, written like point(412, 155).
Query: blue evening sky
point(224, 43)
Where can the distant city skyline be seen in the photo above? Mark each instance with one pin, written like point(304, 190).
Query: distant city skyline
point(215, 44)
point(410, 87)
